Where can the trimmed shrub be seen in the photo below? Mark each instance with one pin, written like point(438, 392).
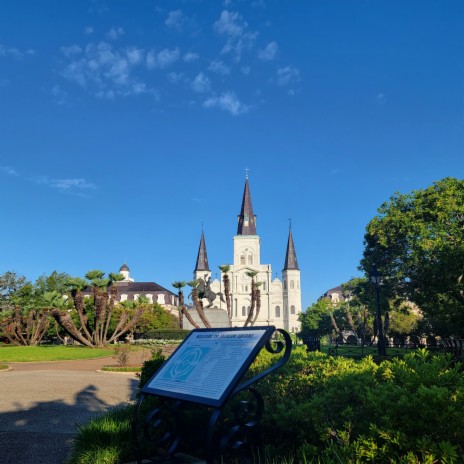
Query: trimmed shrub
point(164, 334)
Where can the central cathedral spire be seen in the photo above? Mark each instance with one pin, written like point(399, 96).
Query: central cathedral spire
point(246, 219)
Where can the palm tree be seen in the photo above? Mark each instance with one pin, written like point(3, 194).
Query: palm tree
point(257, 301)
point(225, 279)
point(251, 274)
point(198, 304)
point(183, 311)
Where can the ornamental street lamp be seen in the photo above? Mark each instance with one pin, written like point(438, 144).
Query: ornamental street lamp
point(376, 279)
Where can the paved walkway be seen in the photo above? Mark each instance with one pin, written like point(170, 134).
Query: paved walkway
point(42, 404)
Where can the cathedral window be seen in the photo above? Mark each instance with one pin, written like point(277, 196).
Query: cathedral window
point(236, 307)
point(243, 311)
point(292, 309)
point(246, 288)
point(277, 311)
point(250, 259)
point(264, 285)
point(242, 259)
point(292, 285)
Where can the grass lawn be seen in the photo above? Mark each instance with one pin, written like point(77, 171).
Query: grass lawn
point(50, 353)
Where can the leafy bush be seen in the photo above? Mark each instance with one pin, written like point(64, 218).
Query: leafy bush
point(151, 366)
point(409, 410)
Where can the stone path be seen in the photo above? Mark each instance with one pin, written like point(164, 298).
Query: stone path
point(42, 404)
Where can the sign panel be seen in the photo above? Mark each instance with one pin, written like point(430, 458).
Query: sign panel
point(208, 364)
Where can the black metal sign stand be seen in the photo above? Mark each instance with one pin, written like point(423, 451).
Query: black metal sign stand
point(231, 431)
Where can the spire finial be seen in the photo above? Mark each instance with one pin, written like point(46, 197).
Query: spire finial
point(202, 224)
point(290, 223)
point(246, 173)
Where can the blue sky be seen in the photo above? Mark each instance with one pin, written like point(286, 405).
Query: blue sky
point(124, 125)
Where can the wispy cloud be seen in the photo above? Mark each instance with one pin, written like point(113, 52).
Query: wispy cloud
point(218, 67)
point(88, 30)
point(162, 59)
point(72, 186)
point(380, 98)
point(269, 52)
point(9, 171)
point(201, 83)
point(115, 32)
point(14, 52)
point(175, 19)
point(60, 96)
point(287, 75)
point(235, 28)
point(104, 70)
point(227, 101)
point(190, 57)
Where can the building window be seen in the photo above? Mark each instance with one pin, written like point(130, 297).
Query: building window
point(277, 311)
point(243, 311)
point(160, 299)
point(123, 297)
point(250, 259)
point(242, 259)
point(264, 285)
point(236, 307)
point(292, 309)
point(285, 285)
point(246, 288)
point(136, 297)
point(292, 285)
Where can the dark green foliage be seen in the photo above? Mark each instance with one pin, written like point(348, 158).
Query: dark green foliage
point(164, 334)
point(364, 412)
point(417, 243)
point(151, 366)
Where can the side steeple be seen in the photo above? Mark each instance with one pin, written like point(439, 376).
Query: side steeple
point(246, 219)
point(291, 263)
point(202, 258)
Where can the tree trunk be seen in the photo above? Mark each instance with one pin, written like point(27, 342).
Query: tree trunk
point(252, 306)
point(199, 307)
point(226, 282)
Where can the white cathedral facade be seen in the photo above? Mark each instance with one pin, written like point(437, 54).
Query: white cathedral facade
point(280, 298)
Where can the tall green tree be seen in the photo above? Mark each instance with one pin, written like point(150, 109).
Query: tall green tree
point(225, 269)
point(417, 243)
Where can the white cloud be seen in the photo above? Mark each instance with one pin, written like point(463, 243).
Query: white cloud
point(288, 75)
point(68, 184)
point(235, 28)
point(219, 67)
point(71, 50)
point(190, 57)
point(10, 52)
point(106, 71)
point(201, 84)
point(9, 171)
point(269, 52)
point(227, 101)
point(175, 78)
point(381, 98)
point(175, 19)
point(115, 32)
point(162, 59)
point(60, 96)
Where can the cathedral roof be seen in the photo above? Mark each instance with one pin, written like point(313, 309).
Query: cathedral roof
point(246, 219)
point(291, 262)
point(202, 258)
point(124, 268)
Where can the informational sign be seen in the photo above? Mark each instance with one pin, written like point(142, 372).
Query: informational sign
point(208, 364)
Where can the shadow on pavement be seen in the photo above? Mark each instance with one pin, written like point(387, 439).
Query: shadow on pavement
point(42, 434)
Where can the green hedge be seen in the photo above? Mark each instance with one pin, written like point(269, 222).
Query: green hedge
point(164, 334)
point(341, 410)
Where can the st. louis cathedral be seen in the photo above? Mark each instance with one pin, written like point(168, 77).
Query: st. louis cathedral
point(280, 299)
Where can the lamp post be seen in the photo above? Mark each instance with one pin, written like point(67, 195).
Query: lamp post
point(376, 279)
